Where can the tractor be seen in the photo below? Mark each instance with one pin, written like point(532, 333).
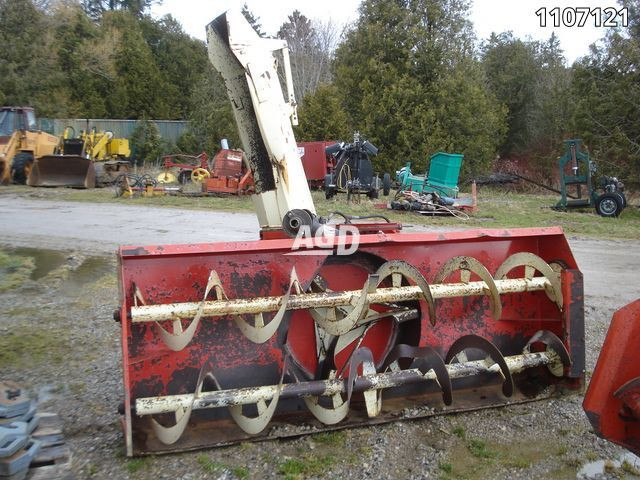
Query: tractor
point(20, 143)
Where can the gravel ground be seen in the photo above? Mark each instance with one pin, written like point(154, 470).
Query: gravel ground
point(59, 340)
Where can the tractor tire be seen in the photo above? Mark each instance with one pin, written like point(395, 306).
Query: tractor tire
point(375, 186)
point(20, 167)
point(329, 191)
point(609, 205)
point(386, 184)
point(623, 199)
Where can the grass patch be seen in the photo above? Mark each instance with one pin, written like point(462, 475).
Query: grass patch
point(209, 465)
point(14, 270)
point(241, 472)
point(478, 459)
point(107, 195)
point(293, 467)
point(517, 463)
point(459, 432)
point(33, 345)
point(479, 449)
point(136, 464)
point(609, 467)
point(337, 439)
point(592, 456)
point(307, 465)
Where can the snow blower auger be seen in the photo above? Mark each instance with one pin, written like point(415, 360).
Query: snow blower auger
point(612, 402)
point(321, 326)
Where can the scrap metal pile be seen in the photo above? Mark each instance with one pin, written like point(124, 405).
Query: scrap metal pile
point(237, 341)
point(427, 202)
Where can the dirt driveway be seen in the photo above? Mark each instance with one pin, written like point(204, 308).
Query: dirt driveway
point(101, 228)
point(57, 337)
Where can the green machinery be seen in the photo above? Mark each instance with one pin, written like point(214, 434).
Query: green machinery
point(577, 187)
point(444, 170)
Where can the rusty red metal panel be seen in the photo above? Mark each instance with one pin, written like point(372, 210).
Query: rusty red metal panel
point(315, 162)
point(178, 273)
point(227, 163)
point(611, 402)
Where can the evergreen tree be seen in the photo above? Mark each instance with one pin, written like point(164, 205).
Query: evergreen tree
point(401, 72)
point(322, 117)
point(146, 144)
point(252, 19)
point(180, 59)
point(28, 74)
point(95, 8)
point(211, 117)
point(139, 89)
point(607, 97)
point(86, 55)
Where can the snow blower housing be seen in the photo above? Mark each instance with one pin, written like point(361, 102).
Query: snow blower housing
point(227, 342)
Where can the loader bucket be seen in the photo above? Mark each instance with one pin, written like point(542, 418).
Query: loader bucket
point(612, 402)
point(231, 342)
point(62, 171)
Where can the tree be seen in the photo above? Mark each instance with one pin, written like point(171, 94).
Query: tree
point(181, 61)
point(467, 119)
point(553, 105)
point(139, 89)
point(512, 71)
point(322, 117)
point(211, 117)
point(606, 89)
point(95, 8)
point(28, 74)
point(147, 145)
point(252, 19)
point(531, 80)
point(310, 58)
point(86, 54)
point(407, 77)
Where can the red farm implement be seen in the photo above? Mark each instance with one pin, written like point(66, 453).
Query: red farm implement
point(315, 161)
point(612, 402)
point(228, 175)
point(189, 167)
point(424, 323)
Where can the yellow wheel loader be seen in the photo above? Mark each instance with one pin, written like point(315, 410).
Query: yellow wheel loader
point(20, 143)
point(86, 161)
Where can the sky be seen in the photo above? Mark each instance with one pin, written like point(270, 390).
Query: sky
point(487, 16)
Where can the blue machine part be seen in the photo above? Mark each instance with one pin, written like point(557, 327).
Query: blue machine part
point(26, 415)
point(14, 400)
point(13, 437)
point(20, 460)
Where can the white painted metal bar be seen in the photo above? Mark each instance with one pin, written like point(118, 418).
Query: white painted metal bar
point(171, 311)
point(252, 395)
